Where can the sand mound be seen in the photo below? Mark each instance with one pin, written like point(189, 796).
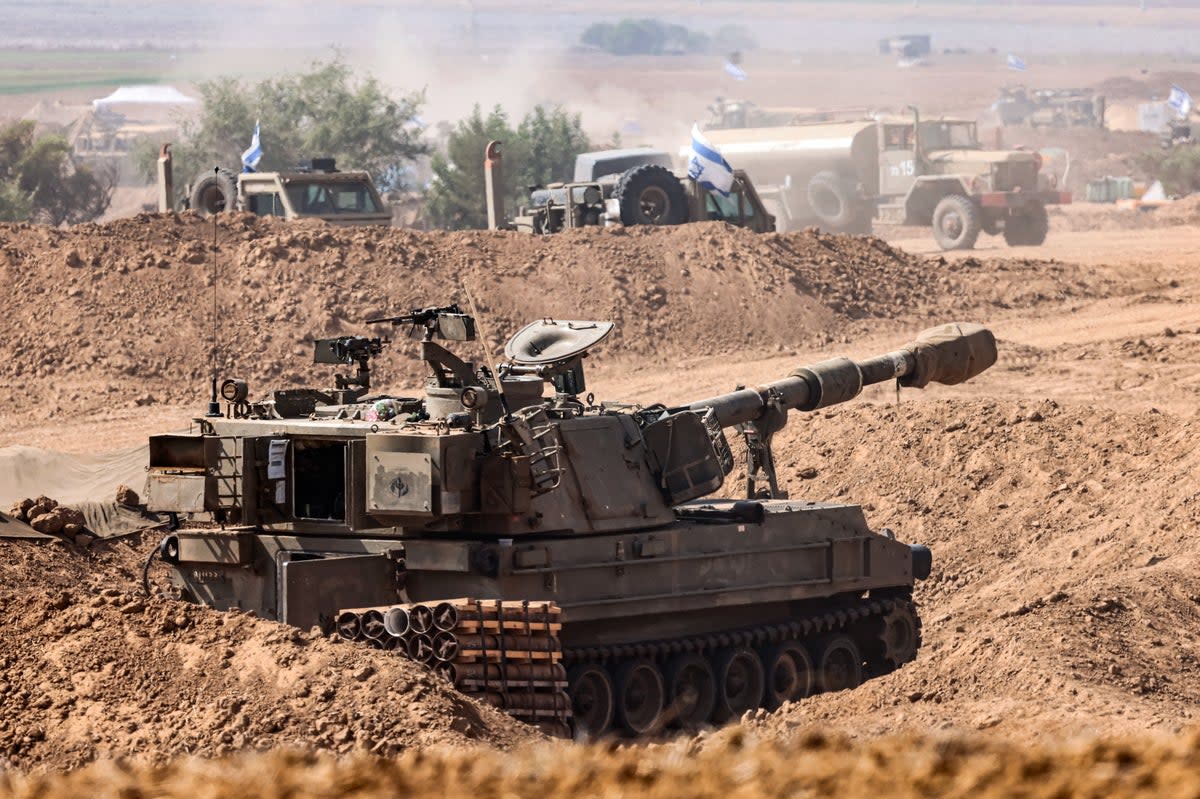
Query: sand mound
point(93, 669)
point(1065, 592)
point(120, 314)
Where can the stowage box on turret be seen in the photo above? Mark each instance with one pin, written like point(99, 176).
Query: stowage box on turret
point(561, 558)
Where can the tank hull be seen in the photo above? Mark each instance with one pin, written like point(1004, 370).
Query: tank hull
point(726, 576)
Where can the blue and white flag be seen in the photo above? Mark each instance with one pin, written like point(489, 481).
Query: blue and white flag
point(734, 71)
point(253, 155)
point(1017, 63)
point(707, 166)
point(1180, 100)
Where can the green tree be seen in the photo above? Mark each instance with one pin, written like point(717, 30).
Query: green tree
point(41, 181)
point(326, 111)
point(1177, 167)
point(644, 37)
point(550, 140)
point(541, 149)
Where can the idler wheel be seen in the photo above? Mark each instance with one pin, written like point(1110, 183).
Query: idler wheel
point(839, 664)
point(901, 636)
point(591, 692)
point(691, 691)
point(790, 674)
point(640, 692)
point(740, 682)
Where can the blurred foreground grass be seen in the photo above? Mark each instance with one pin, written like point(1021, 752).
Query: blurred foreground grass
point(730, 764)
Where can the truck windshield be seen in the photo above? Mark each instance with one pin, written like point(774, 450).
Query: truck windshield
point(329, 197)
point(944, 135)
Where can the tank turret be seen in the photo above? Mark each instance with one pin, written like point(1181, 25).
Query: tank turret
point(510, 484)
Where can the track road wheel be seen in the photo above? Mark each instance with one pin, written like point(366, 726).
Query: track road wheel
point(591, 692)
point(789, 674)
point(1028, 228)
point(214, 192)
point(651, 195)
point(900, 637)
point(740, 681)
point(638, 686)
point(956, 223)
point(839, 664)
point(691, 691)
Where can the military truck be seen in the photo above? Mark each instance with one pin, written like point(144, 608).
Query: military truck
point(725, 113)
point(317, 191)
point(900, 171)
point(561, 557)
point(1050, 108)
point(636, 186)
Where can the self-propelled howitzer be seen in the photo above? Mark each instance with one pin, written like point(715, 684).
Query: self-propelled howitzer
point(560, 557)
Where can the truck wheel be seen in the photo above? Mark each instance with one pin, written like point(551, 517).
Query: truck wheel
point(650, 195)
point(832, 202)
point(956, 223)
point(214, 192)
point(1027, 228)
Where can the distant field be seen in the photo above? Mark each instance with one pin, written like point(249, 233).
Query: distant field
point(35, 71)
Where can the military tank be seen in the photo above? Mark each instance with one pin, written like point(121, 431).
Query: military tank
point(560, 557)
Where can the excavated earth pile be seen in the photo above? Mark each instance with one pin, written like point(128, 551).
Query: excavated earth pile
point(91, 669)
point(121, 314)
point(1065, 596)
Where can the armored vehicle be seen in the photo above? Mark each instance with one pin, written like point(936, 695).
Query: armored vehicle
point(316, 191)
point(566, 559)
point(636, 186)
point(901, 171)
point(1050, 108)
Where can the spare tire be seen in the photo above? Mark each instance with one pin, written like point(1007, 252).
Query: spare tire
point(650, 195)
point(833, 202)
point(214, 192)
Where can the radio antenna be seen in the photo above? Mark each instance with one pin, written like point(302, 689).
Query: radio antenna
point(487, 352)
point(214, 407)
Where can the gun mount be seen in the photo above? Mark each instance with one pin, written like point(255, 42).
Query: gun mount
point(658, 603)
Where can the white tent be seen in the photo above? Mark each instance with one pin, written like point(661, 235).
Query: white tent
point(145, 95)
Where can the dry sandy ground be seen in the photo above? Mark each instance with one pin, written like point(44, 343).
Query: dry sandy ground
point(1057, 490)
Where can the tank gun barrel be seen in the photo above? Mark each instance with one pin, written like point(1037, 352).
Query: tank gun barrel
point(948, 354)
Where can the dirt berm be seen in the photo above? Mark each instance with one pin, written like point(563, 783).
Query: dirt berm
point(91, 669)
point(122, 313)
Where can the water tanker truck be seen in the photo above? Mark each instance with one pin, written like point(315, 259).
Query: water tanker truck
point(842, 176)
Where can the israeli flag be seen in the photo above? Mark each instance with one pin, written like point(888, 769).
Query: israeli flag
point(734, 71)
point(1180, 100)
point(707, 166)
point(1017, 63)
point(253, 155)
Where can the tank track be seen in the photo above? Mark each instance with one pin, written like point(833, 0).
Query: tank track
point(817, 624)
point(719, 676)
